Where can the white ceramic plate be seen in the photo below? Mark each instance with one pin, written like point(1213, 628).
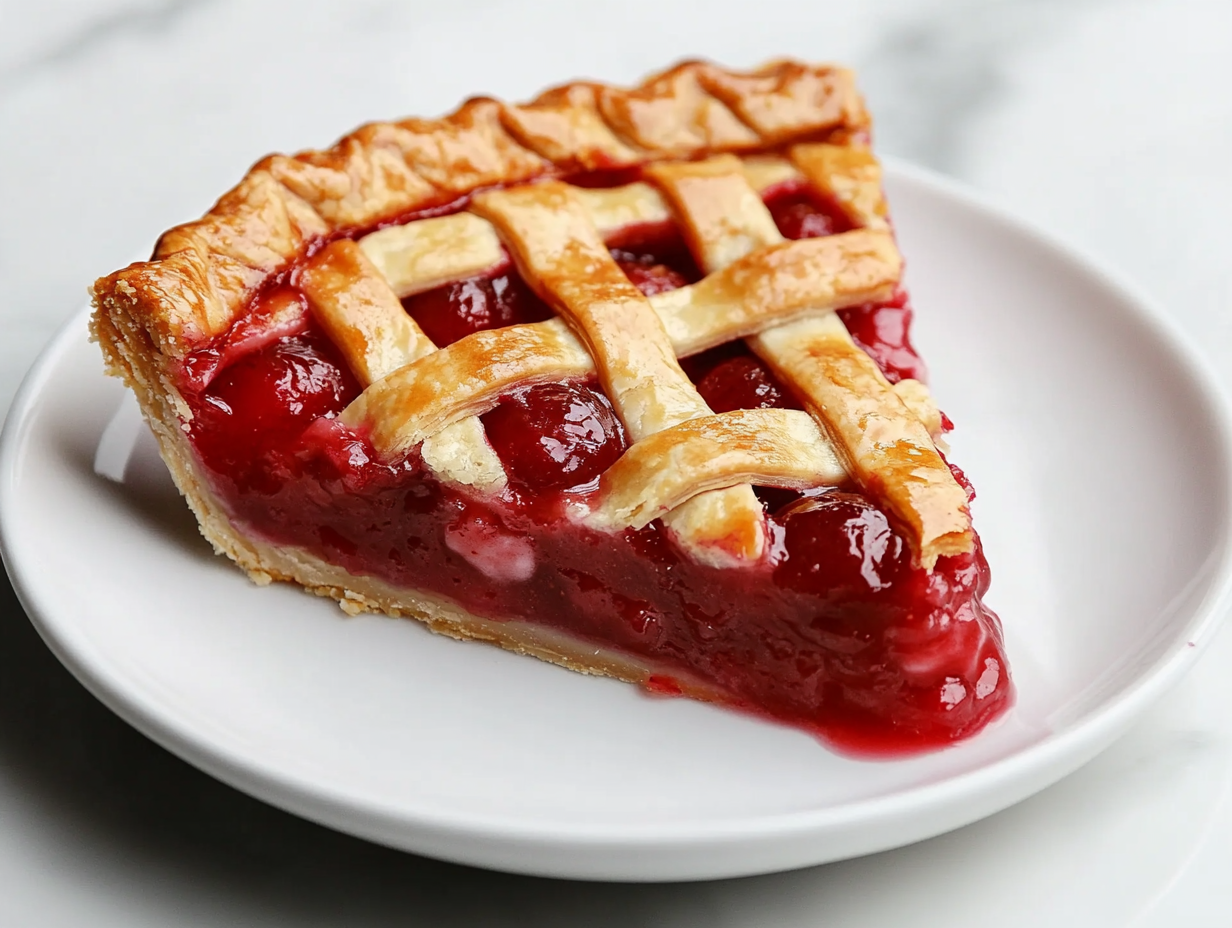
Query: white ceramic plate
point(1098, 443)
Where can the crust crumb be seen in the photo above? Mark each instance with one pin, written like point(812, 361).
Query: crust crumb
point(352, 603)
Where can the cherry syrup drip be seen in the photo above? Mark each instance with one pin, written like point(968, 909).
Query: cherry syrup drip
point(836, 632)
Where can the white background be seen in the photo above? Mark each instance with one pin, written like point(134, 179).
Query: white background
point(1108, 123)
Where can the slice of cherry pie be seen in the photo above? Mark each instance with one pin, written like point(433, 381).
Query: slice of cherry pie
point(617, 378)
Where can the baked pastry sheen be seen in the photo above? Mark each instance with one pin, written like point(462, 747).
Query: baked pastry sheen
point(618, 378)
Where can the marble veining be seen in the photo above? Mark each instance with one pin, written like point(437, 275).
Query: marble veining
point(88, 33)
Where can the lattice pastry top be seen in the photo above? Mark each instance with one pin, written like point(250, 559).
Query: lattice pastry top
point(708, 142)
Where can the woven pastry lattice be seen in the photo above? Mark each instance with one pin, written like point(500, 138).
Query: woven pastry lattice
point(708, 143)
point(687, 465)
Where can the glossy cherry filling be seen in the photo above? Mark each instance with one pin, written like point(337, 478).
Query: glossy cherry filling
point(881, 329)
point(456, 310)
point(835, 631)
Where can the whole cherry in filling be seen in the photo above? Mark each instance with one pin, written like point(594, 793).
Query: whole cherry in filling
point(256, 409)
point(654, 273)
point(732, 377)
point(841, 548)
point(555, 436)
point(800, 212)
point(458, 309)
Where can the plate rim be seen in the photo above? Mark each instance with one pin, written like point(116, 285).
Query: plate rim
point(462, 838)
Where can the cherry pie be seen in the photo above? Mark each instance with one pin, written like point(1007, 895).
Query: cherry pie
point(617, 378)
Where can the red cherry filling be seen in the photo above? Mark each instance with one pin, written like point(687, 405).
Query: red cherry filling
point(458, 309)
point(841, 635)
point(883, 330)
point(656, 272)
point(841, 548)
point(924, 637)
point(249, 419)
point(799, 212)
point(836, 632)
point(744, 382)
point(555, 436)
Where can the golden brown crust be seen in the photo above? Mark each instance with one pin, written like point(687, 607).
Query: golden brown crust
point(851, 176)
point(783, 99)
point(721, 214)
point(203, 273)
point(465, 379)
point(564, 126)
point(360, 313)
point(673, 114)
point(355, 305)
point(766, 447)
point(765, 288)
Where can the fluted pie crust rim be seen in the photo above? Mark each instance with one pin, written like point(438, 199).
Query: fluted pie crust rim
point(203, 273)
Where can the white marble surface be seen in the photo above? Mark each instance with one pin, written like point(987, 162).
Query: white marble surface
point(1107, 122)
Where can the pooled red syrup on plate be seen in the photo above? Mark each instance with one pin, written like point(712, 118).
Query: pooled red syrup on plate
point(835, 632)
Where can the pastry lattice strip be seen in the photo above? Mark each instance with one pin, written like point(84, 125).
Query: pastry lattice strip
point(362, 316)
point(773, 285)
point(466, 378)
